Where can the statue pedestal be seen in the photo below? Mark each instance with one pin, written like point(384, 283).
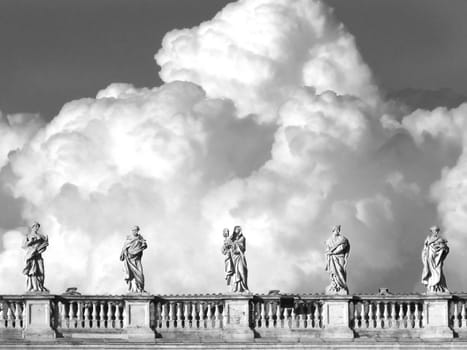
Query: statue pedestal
point(237, 318)
point(37, 325)
point(137, 318)
point(436, 317)
point(336, 318)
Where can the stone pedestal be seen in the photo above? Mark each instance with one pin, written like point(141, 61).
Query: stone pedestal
point(237, 318)
point(137, 318)
point(37, 325)
point(436, 317)
point(336, 318)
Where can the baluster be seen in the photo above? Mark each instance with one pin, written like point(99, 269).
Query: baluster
point(110, 322)
point(17, 316)
point(217, 316)
point(79, 315)
point(393, 314)
point(316, 316)
point(417, 316)
point(309, 314)
point(371, 315)
point(292, 317)
point(411, 312)
point(462, 321)
point(378, 315)
point(355, 315)
point(118, 321)
point(179, 315)
point(193, 315)
point(101, 315)
point(401, 315)
point(94, 314)
point(301, 316)
point(9, 316)
point(260, 315)
point(2, 316)
point(385, 315)
point(186, 315)
point(70, 315)
point(164, 316)
point(363, 316)
point(278, 315)
point(201, 315)
point(171, 315)
point(270, 321)
point(210, 315)
point(87, 319)
point(62, 314)
point(455, 315)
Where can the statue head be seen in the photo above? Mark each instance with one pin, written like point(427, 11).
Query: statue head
point(237, 230)
point(336, 229)
point(225, 233)
point(135, 230)
point(35, 226)
point(434, 229)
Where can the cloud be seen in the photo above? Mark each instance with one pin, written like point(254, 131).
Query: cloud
point(257, 52)
point(269, 119)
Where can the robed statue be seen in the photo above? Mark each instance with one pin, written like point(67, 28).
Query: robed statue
point(337, 255)
point(35, 244)
point(435, 250)
point(131, 255)
point(227, 251)
point(236, 269)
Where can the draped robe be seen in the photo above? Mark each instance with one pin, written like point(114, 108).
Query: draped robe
point(434, 253)
point(228, 263)
point(132, 252)
point(35, 244)
point(240, 275)
point(337, 252)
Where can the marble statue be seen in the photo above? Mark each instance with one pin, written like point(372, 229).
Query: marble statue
point(227, 251)
point(337, 254)
point(131, 255)
point(435, 250)
point(236, 268)
point(35, 244)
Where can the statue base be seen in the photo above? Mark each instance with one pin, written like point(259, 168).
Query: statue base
point(137, 321)
point(37, 325)
point(237, 312)
point(436, 323)
point(336, 319)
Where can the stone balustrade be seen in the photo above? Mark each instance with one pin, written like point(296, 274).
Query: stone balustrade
point(219, 317)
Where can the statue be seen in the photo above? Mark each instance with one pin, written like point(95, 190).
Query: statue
point(434, 253)
point(337, 254)
point(235, 267)
point(227, 251)
point(132, 252)
point(35, 244)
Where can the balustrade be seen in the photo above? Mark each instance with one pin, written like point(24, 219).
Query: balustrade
point(189, 312)
point(90, 312)
point(386, 312)
point(12, 312)
point(279, 316)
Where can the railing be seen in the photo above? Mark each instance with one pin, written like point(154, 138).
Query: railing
point(12, 312)
point(218, 317)
point(386, 312)
point(287, 312)
point(458, 313)
point(89, 313)
point(189, 312)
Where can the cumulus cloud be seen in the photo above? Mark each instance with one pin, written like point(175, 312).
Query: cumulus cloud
point(257, 52)
point(269, 119)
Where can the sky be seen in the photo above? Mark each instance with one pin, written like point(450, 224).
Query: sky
point(185, 117)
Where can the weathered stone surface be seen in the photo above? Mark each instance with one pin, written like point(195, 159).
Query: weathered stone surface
point(337, 254)
point(437, 318)
point(336, 319)
point(137, 320)
point(238, 318)
point(37, 323)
